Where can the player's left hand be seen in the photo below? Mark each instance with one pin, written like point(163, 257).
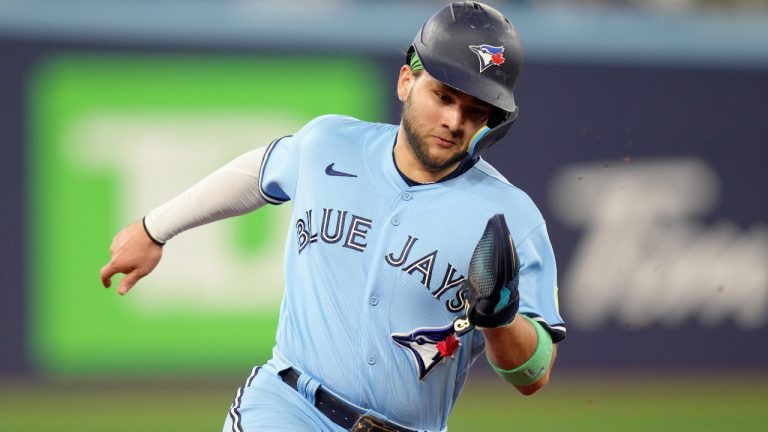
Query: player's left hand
point(492, 294)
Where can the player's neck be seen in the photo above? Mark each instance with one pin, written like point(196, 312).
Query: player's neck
point(410, 166)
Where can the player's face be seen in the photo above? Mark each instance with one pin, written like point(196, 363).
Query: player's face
point(438, 122)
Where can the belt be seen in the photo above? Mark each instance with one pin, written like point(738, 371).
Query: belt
point(341, 412)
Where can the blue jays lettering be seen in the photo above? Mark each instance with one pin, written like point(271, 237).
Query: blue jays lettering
point(334, 228)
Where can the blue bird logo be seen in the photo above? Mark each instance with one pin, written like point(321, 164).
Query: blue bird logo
point(428, 346)
point(489, 55)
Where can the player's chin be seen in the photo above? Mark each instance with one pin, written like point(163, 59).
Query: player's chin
point(450, 155)
point(442, 160)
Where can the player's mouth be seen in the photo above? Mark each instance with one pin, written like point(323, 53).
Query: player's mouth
point(443, 142)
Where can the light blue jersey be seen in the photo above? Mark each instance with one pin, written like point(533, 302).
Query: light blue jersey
point(373, 268)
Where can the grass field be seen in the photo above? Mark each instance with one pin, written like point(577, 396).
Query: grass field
point(703, 402)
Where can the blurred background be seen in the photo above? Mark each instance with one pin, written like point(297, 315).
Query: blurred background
point(643, 137)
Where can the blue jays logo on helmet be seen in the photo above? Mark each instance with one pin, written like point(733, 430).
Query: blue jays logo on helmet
point(428, 346)
point(489, 55)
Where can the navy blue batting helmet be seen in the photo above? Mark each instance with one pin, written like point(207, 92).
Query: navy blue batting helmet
point(473, 48)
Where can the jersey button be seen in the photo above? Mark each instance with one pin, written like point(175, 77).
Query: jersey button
point(407, 196)
point(374, 300)
point(395, 221)
point(371, 360)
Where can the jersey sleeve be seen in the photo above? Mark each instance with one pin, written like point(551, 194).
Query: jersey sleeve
point(283, 160)
point(538, 282)
point(279, 170)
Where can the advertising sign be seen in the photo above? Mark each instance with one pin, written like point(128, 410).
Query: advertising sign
point(114, 136)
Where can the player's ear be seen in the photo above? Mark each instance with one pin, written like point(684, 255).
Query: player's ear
point(404, 82)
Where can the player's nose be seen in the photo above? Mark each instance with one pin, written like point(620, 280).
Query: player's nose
point(453, 118)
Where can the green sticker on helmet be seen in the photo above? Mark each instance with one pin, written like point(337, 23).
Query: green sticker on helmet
point(415, 62)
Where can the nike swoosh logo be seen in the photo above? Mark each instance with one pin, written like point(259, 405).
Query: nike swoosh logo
point(332, 172)
point(531, 373)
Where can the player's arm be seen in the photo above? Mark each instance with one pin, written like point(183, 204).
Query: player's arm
point(229, 191)
point(517, 347)
point(510, 347)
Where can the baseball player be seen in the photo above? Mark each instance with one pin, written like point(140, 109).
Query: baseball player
point(408, 256)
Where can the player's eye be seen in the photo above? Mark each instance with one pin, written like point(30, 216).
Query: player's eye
point(477, 113)
point(443, 97)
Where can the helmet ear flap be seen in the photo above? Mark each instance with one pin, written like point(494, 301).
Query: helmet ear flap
point(490, 134)
point(498, 116)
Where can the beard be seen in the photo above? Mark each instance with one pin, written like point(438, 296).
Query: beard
point(419, 146)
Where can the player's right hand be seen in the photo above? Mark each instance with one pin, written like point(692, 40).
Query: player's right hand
point(134, 254)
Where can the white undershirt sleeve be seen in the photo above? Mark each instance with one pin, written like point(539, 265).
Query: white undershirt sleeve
point(229, 191)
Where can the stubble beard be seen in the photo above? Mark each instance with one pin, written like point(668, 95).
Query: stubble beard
point(419, 146)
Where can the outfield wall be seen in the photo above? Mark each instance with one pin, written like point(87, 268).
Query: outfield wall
point(646, 151)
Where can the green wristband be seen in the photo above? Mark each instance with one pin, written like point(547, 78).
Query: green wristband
point(536, 366)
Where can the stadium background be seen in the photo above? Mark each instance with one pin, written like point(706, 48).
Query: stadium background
point(642, 135)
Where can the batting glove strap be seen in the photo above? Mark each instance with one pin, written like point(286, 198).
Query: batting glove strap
point(488, 314)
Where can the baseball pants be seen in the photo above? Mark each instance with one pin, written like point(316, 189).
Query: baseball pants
point(266, 403)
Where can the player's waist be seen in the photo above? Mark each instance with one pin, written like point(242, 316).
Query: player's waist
point(341, 412)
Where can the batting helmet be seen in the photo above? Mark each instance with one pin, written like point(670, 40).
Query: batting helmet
point(471, 47)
